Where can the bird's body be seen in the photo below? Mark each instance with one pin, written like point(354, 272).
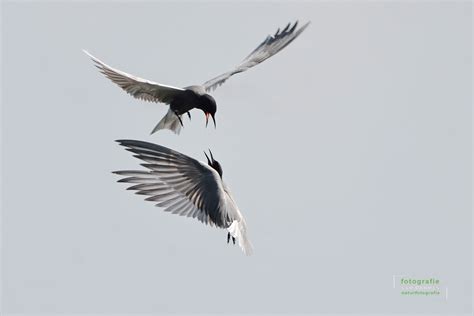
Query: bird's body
point(187, 187)
point(182, 100)
point(192, 97)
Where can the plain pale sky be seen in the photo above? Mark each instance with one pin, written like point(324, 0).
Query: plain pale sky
point(349, 153)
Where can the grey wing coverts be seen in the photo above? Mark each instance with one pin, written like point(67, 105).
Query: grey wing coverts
point(269, 47)
point(137, 87)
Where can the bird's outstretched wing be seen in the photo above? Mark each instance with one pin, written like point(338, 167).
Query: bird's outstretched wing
point(269, 47)
point(180, 184)
point(138, 87)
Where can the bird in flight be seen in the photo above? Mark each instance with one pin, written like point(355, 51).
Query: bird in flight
point(182, 100)
point(187, 187)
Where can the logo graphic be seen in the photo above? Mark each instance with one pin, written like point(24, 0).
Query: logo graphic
point(416, 286)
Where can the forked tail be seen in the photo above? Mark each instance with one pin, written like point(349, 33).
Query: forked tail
point(169, 121)
point(238, 230)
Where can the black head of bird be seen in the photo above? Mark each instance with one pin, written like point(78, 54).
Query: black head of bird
point(214, 163)
point(208, 105)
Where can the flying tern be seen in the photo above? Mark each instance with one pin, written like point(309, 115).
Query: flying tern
point(187, 187)
point(182, 100)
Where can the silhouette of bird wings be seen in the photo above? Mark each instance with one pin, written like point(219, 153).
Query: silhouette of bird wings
point(180, 184)
point(137, 87)
point(269, 47)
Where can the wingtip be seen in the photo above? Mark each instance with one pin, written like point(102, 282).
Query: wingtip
point(125, 142)
point(87, 53)
point(298, 30)
point(297, 22)
point(99, 64)
point(305, 25)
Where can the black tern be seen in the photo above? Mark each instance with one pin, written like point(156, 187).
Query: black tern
point(182, 100)
point(187, 187)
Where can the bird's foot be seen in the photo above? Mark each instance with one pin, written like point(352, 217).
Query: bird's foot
point(228, 238)
point(179, 118)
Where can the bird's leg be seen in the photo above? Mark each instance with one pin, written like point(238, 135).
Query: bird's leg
point(233, 239)
point(179, 118)
point(228, 237)
point(189, 115)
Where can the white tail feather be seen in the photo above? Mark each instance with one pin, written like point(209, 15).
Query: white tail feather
point(238, 230)
point(169, 121)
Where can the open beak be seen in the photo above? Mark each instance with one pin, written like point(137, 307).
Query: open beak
point(212, 157)
point(214, 120)
point(208, 161)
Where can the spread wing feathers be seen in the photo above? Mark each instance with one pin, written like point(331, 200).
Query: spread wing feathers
point(137, 87)
point(180, 184)
point(269, 47)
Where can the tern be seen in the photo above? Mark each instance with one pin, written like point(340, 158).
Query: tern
point(182, 100)
point(187, 187)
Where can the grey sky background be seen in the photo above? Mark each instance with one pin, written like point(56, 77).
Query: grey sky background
point(349, 153)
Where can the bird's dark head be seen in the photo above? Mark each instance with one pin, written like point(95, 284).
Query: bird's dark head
point(209, 107)
point(214, 163)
